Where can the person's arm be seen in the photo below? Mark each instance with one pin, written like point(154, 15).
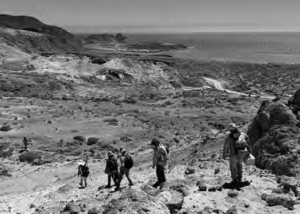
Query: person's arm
point(79, 171)
point(225, 148)
point(106, 167)
point(248, 145)
point(154, 159)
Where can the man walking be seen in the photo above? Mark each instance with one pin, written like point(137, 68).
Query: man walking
point(111, 169)
point(160, 159)
point(237, 148)
point(126, 164)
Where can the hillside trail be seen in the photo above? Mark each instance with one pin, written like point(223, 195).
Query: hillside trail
point(217, 85)
point(56, 184)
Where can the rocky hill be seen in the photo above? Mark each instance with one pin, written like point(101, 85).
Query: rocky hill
point(32, 36)
point(32, 24)
point(105, 38)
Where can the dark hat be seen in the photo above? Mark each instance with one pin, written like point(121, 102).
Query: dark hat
point(154, 142)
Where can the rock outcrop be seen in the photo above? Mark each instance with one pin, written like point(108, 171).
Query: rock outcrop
point(134, 201)
point(274, 136)
point(96, 38)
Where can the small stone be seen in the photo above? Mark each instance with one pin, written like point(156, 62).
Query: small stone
point(232, 210)
point(232, 193)
point(202, 188)
point(190, 171)
point(217, 170)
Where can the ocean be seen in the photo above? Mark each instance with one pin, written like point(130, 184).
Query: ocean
point(245, 47)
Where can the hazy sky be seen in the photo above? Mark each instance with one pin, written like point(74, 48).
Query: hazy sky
point(163, 14)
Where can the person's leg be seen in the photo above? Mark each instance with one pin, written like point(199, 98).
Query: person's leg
point(119, 180)
point(162, 176)
point(127, 171)
point(108, 179)
point(81, 180)
point(157, 175)
point(85, 181)
point(233, 168)
point(239, 171)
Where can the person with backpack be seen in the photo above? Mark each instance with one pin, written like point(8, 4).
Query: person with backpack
point(111, 169)
point(160, 161)
point(237, 148)
point(83, 172)
point(125, 166)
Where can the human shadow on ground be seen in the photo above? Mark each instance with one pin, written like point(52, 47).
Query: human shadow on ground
point(236, 186)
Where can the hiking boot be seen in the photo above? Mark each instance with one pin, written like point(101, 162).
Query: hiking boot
point(131, 184)
point(117, 188)
point(107, 186)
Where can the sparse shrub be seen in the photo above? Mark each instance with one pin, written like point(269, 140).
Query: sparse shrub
point(125, 139)
point(29, 157)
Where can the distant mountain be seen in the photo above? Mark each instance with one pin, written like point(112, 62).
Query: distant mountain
point(31, 24)
point(96, 38)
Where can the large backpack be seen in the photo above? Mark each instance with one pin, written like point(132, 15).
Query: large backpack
point(113, 164)
point(85, 170)
point(241, 142)
point(128, 161)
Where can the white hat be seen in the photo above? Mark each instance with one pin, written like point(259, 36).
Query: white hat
point(81, 162)
point(231, 126)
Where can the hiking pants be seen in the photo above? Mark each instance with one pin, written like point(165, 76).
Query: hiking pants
point(160, 173)
point(83, 180)
point(112, 175)
point(236, 166)
point(124, 171)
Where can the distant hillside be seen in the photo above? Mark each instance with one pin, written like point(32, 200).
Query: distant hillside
point(31, 24)
point(32, 36)
point(96, 38)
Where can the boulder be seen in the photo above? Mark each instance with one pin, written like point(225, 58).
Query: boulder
point(232, 210)
point(94, 211)
point(278, 199)
point(180, 186)
point(189, 170)
point(71, 208)
point(29, 157)
point(92, 141)
point(274, 139)
point(80, 138)
point(6, 151)
point(6, 128)
point(173, 199)
point(135, 201)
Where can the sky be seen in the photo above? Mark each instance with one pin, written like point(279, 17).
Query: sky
point(161, 15)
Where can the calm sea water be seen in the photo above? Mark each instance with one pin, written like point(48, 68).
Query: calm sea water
point(249, 47)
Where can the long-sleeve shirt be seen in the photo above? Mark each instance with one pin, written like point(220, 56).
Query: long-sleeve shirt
point(229, 149)
point(160, 156)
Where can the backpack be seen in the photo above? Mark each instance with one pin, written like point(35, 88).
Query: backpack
point(113, 164)
point(167, 149)
point(85, 170)
point(128, 161)
point(241, 142)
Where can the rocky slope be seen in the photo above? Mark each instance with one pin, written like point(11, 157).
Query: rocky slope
point(85, 104)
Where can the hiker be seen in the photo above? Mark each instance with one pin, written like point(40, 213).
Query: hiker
point(83, 172)
point(111, 169)
point(126, 164)
point(25, 141)
point(237, 148)
point(160, 160)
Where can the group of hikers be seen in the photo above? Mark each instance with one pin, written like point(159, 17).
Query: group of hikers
point(116, 170)
point(237, 147)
